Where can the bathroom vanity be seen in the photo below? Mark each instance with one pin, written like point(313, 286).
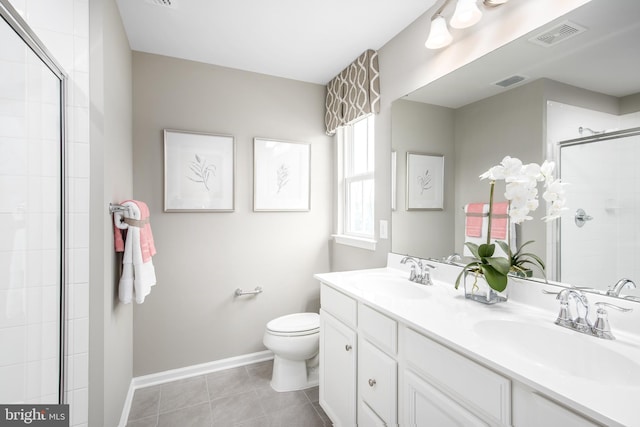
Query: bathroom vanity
point(393, 352)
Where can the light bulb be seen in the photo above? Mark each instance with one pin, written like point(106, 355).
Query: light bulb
point(466, 14)
point(439, 35)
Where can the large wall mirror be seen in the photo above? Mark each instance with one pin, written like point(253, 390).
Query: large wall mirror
point(562, 92)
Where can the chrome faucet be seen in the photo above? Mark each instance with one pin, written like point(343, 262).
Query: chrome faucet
point(420, 272)
point(453, 258)
point(614, 291)
point(581, 322)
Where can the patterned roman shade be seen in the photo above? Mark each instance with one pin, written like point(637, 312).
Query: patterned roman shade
point(353, 93)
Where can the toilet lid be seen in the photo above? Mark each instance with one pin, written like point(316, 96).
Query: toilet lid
point(298, 322)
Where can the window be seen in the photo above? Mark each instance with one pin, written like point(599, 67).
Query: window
point(356, 181)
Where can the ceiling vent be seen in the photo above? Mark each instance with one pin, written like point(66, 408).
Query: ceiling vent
point(561, 32)
point(510, 81)
point(165, 3)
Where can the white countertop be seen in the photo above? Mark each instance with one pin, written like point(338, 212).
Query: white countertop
point(596, 387)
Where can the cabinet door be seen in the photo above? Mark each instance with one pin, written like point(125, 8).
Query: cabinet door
point(337, 371)
point(368, 418)
point(378, 381)
point(424, 405)
point(531, 409)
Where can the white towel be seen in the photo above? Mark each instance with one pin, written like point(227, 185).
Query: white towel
point(137, 276)
point(483, 238)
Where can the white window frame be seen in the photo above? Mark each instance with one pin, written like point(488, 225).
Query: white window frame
point(344, 236)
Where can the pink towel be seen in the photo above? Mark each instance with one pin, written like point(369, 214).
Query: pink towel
point(475, 212)
point(147, 245)
point(499, 220)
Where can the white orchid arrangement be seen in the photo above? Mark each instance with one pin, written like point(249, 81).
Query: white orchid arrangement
point(522, 188)
point(522, 194)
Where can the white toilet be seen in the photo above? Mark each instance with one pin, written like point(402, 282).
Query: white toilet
point(294, 340)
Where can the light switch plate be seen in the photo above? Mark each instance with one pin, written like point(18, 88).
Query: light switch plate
point(384, 229)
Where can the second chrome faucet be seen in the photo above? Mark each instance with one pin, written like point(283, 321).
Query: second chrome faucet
point(580, 322)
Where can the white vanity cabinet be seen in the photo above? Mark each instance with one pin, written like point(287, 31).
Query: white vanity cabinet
point(338, 357)
point(358, 374)
point(404, 361)
point(338, 346)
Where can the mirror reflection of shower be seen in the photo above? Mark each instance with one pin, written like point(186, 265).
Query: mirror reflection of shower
point(598, 239)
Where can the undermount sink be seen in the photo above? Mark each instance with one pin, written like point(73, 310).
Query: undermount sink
point(389, 285)
point(568, 352)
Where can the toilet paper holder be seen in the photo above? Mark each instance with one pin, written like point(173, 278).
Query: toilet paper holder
point(239, 292)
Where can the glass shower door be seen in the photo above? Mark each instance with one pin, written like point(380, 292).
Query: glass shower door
point(31, 222)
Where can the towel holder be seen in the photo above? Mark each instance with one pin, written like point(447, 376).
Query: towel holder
point(113, 208)
point(239, 292)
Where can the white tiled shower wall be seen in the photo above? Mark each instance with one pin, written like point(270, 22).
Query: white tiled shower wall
point(63, 27)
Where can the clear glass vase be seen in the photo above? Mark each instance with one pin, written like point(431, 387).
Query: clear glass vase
point(476, 288)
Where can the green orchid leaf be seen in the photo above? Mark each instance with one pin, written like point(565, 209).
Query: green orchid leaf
point(505, 248)
point(496, 280)
point(485, 251)
point(469, 267)
point(522, 246)
point(534, 257)
point(501, 265)
point(473, 248)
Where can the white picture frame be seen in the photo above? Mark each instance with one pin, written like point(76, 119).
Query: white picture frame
point(199, 172)
point(281, 175)
point(425, 181)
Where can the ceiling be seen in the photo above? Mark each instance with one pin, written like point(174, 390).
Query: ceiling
point(310, 40)
point(605, 58)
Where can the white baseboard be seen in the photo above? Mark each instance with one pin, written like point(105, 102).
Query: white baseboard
point(187, 372)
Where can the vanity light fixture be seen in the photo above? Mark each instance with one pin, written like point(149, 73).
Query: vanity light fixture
point(439, 35)
point(466, 14)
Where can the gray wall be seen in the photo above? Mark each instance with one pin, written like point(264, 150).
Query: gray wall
point(111, 324)
point(191, 316)
point(423, 128)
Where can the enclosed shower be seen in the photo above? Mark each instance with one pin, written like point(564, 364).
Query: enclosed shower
point(32, 216)
point(599, 239)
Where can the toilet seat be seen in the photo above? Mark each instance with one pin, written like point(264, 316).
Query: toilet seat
point(293, 325)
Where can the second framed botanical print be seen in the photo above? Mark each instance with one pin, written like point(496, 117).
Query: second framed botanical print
point(281, 175)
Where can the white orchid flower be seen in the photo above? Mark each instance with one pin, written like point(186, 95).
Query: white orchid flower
point(522, 187)
point(546, 169)
point(494, 174)
point(519, 215)
point(512, 166)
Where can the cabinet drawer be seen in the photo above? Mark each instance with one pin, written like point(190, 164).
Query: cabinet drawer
point(379, 329)
point(377, 381)
point(487, 392)
point(339, 305)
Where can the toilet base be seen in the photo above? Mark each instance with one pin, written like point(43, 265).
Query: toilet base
point(291, 375)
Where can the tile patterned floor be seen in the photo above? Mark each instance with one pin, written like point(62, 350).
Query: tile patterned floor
point(238, 397)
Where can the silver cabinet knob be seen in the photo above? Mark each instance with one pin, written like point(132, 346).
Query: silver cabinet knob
point(372, 382)
point(348, 347)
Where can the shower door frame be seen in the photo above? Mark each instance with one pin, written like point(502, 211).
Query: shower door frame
point(555, 231)
point(9, 14)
